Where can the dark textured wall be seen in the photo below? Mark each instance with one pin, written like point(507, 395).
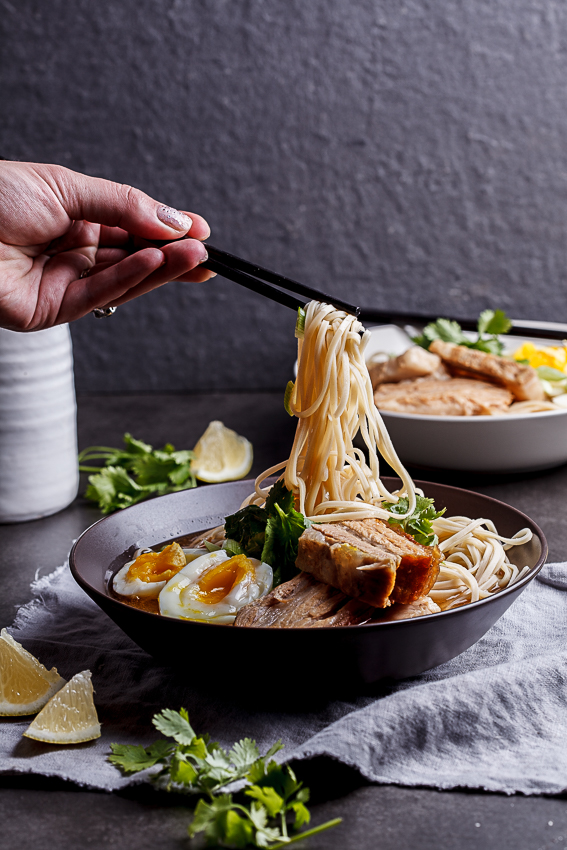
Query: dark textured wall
point(403, 153)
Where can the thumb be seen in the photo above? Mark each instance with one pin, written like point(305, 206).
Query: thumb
point(118, 205)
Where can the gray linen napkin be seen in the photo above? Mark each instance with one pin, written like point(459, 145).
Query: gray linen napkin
point(495, 717)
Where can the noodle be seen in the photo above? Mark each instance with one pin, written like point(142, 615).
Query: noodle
point(333, 401)
point(333, 482)
point(476, 564)
point(531, 407)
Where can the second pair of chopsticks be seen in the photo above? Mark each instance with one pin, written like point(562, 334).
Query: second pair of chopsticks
point(256, 278)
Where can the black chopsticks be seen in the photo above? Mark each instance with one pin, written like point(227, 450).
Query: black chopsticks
point(520, 327)
point(251, 275)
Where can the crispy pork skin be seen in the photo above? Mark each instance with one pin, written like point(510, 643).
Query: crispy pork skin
point(304, 602)
point(335, 555)
point(521, 380)
point(419, 565)
point(416, 362)
point(455, 397)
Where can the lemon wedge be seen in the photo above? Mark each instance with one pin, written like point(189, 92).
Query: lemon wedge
point(70, 716)
point(221, 455)
point(25, 684)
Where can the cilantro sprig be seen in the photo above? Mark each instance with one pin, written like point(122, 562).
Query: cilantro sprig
point(490, 322)
point(418, 524)
point(136, 472)
point(270, 533)
point(195, 765)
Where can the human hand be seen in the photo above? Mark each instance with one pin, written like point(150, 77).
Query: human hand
point(57, 224)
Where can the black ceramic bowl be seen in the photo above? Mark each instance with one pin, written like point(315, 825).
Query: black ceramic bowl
point(348, 656)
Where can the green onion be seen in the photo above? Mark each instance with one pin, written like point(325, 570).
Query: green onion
point(287, 397)
point(300, 323)
point(548, 373)
point(232, 547)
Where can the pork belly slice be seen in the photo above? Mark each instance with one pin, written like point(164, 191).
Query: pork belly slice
point(304, 602)
point(335, 555)
point(455, 397)
point(521, 380)
point(369, 560)
point(419, 565)
point(416, 362)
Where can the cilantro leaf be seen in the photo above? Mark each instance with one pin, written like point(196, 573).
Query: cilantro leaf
point(247, 527)
point(112, 488)
point(134, 473)
point(197, 765)
point(210, 818)
point(175, 724)
point(238, 831)
point(443, 329)
point(418, 524)
point(302, 813)
point(132, 758)
point(491, 322)
point(244, 754)
point(268, 797)
point(182, 771)
point(270, 533)
point(279, 495)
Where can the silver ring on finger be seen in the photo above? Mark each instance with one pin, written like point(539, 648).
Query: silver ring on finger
point(103, 312)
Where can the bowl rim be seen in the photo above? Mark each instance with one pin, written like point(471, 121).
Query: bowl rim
point(497, 417)
point(518, 585)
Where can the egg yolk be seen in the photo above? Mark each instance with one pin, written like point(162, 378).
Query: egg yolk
point(158, 566)
point(219, 581)
point(553, 356)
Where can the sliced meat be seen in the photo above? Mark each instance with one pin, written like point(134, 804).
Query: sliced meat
point(336, 556)
point(456, 397)
point(419, 565)
point(369, 560)
point(521, 380)
point(416, 362)
point(419, 608)
point(304, 602)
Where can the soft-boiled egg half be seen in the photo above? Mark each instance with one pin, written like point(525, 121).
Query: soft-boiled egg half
point(214, 587)
point(150, 571)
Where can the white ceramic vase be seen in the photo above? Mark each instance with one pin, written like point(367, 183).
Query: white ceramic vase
point(38, 424)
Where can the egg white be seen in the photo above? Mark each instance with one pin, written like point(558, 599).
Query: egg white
point(126, 586)
point(179, 597)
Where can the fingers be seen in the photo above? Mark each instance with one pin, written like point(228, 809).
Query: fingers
point(118, 205)
point(133, 276)
point(81, 296)
point(198, 275)
point(181, 263)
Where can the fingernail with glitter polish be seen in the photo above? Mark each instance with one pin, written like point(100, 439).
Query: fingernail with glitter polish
point(173, 218)
point(203, 259)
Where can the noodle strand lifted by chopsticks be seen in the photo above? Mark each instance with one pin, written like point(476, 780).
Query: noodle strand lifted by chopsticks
point(333, 401)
